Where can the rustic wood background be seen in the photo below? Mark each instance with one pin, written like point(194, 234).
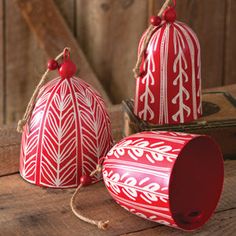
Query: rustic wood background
point(108, 32)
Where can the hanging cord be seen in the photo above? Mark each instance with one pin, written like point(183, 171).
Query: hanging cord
point(147, 38)
point(100, 224)
point(33, 98)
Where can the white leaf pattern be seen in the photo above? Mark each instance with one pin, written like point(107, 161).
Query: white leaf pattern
point(29, 142)
point(147, 96)
point(168, 90)
point(69, 132)
point(95, 126)
point(180, 67)
point(138, 148)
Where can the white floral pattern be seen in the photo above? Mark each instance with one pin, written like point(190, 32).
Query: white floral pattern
point(137, 170)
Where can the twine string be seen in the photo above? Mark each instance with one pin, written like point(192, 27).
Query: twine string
point(99, 223)
point(149, 32)
point(30, 106)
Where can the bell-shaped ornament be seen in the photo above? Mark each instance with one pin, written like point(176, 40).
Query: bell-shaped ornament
point(168, 89)
point(67, 132)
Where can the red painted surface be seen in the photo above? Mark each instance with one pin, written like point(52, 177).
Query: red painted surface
point(171, 178)
point(67, 134)
point(168, 90)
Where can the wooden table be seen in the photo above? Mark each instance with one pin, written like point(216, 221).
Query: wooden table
point(26, 209)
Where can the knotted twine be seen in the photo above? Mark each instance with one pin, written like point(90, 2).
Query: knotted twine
point(150, 30)
point(100, 223)
point(31, 104)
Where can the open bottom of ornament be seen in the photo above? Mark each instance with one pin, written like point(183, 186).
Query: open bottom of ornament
point(196, 183)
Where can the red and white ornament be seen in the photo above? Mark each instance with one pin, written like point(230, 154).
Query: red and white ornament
point(168, 90)
point(171, 178)
point(68, 132)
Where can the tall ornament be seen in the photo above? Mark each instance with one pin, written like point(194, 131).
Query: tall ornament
point(168, 84)
point(67, 132)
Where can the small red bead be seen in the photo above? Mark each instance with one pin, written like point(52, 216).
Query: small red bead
point(52, 64)
point(67, 69)
point(155, 20)
point(170, 14)
point(85, 180)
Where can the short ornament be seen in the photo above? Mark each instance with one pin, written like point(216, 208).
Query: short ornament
point(67, 132)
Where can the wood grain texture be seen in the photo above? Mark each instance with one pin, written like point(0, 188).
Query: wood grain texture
point(30, 210)
point(230, 50)
point(109, 32)
point(2, 78)
point(23, 67)
point(207, 19)
point(67, 9)
point(222, 223)
point(9, 150)
point(10, 142)
point(17, 39)
point(53, 39)
point(37, 64)
point(228, 88)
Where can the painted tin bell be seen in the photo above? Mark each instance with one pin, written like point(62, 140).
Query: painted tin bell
point(168, 90)
point(67, 133)
point(170, 178)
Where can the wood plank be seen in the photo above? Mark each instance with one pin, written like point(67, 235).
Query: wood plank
point(47, 34)
point(228, 88)
point(67, 9)
point(2, 78)
point(203, 17)
point(230, 72)
point(23, 67)
point(109, 32)
point(30, 210)
point(16, 53)
point(37, 64)
point(10, 142)
point(222, 223)
point(115, 112)
point(9, 150)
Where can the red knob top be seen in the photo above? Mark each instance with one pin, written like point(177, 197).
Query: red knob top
point(170, 14)
point(67, 68)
